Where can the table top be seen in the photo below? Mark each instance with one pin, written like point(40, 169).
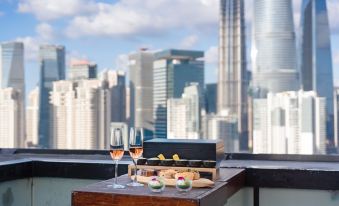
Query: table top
point(98, 194)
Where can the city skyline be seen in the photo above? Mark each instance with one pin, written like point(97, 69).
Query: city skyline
point(48, 27)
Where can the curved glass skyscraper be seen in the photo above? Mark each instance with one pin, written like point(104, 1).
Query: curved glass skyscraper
point(316, 57)
point(274, 49)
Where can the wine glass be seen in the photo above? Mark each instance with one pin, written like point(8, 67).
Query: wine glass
point(136, 139)
point(116, 152)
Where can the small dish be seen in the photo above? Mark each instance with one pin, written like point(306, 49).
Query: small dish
point(141, 161)
point(195, 163)
point(156, 184)
point(153, 161)
point(167, 162)
point(209, 163)
point(183, 185)
point(181, 163)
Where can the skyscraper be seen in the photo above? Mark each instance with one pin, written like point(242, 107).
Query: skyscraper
point(12, 75)
point(115, 81)
point(52, 68)
point(172, 71)
point(316, 56)
point(82, 69)
point(184, 114)
point(11, 118)
point(141, 91)
point(32, 118)
point(290, 123)
point(232, 77)
point(274, 56)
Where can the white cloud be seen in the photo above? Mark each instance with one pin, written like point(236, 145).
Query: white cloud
point(211, 55)
point(140, 17)
point(189, 42)
point(46, 10)
point(45, 31)
point(121, 62)
point(31, 47)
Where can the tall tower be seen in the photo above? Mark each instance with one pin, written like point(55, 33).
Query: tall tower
point(316, 57)
point(233, 81)
point(12, 74)
point(52, 68)
point(141, 91)
point(274, 56)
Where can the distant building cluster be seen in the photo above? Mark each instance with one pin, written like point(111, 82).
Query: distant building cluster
point(285, 104)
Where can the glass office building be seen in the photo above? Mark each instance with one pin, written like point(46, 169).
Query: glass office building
point(173, 70)
point(274, 55)
point(52, 68)
point(316, 57)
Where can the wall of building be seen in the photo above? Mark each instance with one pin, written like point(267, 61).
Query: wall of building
point(40, 191)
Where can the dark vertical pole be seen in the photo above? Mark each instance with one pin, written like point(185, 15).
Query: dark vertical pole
point(256, 196)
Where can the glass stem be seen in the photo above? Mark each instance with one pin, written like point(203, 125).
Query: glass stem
point(116, 173)
point(135, 170)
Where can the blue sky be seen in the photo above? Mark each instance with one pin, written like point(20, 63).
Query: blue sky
point(105, 31)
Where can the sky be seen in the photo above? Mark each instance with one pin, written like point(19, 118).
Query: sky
point(106, 31)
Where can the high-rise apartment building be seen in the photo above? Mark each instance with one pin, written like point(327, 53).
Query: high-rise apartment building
point(232, 74)
point(12, 75)
point(32, 118)
point(81, 115)
point(290, 123)
point(274, 56)
point(316, 57)
point(82, 69)
point(115, 83)
point(184, 114)
point(141, 91)
point(52, 68)
point(11, 118)
point(172, 71)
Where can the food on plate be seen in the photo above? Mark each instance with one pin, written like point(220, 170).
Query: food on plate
point(176, 157)
point(168, 174)
point(161, 157)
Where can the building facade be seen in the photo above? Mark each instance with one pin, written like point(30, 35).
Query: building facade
point(184, 114)
point(316, 56)
point(222, 127)
point(81, 115)
point(12, 75)
point(52, 68)
point(274, 56)
point(11, 118)
point(290, 123)
point(115, 83)
point(82, 69)
point(232, 74)
point(32, 118)
point(172, 71)
point(141, 91)
point(210, 95)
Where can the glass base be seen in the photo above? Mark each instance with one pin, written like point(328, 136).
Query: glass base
point(116, 186)
point(135, 184)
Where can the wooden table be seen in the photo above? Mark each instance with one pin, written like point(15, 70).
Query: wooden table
point(230, 181)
